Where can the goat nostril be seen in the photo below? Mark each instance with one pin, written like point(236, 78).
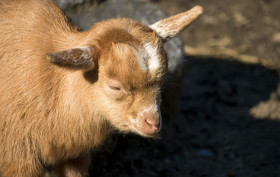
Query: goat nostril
point(152, 123)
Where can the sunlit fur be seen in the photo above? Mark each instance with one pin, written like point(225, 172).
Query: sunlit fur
point(51, 115)
point(58, 100)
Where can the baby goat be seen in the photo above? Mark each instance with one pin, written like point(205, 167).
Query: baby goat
point(62, 92)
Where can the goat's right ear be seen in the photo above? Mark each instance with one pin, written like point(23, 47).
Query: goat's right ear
point(76, 58)
point(171, 26)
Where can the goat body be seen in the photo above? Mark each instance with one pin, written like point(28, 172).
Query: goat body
point(62, 92)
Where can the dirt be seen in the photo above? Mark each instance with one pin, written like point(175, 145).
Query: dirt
point(229, 111)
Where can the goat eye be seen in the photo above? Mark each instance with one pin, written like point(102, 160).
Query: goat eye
point(115, 88)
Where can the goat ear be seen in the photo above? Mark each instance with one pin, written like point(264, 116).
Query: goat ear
point(76, 58)
point(171, 26)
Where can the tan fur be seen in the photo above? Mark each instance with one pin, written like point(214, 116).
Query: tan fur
point(52, 115)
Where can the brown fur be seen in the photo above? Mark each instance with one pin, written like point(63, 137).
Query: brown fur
point(62, 92)
point(51, 115)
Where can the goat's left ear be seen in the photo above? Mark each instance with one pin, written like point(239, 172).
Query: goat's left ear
point(171, 26)
point(76, 58)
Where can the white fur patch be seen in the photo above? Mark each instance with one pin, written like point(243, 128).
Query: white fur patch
point(143, 60)
point(152, 108)
point(153, 61)
point(86, 52)
point(85, 48)
point(149, 58)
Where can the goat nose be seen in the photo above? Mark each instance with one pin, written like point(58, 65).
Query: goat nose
point(153, 123)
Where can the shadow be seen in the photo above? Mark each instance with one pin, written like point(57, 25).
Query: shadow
point(216, 102)
point(91, 76)
point(214, 136)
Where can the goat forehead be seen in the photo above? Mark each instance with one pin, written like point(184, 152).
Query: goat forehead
point(149, 57)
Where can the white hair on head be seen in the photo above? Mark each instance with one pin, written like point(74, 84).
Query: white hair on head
point(149, 58)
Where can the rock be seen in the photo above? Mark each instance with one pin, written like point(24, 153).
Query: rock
point(68, 3)
point(145, 13)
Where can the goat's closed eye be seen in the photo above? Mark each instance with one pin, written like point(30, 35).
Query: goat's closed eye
point(115, 88)
point(114, 85)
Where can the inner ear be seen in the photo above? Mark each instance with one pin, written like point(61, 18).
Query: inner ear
point(76, 58)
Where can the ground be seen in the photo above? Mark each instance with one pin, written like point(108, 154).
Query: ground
point(229, 117)
point(250, 27)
